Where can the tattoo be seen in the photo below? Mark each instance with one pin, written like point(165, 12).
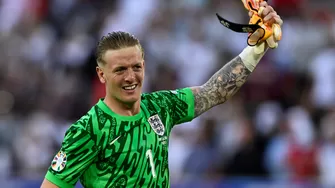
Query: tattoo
point(221, 86)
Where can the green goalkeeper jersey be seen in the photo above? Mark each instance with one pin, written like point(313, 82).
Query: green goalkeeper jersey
point(104, 149)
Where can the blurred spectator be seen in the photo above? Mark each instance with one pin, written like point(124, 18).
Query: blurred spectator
point(302, 151)
point(204, 156)
point(322, 70)
point(326, 155)
point(248, 159)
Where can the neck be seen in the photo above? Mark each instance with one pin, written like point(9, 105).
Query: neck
point(124, 109)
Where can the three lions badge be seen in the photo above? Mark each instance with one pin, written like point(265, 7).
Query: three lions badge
point(157, 125)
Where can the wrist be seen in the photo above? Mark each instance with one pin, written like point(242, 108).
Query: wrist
point(251, 55)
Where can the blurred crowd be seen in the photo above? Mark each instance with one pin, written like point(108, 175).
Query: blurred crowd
point(280, 125)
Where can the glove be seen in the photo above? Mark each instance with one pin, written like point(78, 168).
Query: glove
point(259, 31)
point(271, 33)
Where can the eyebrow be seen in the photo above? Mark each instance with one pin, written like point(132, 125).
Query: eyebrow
point(138, 64)
point(123, 66)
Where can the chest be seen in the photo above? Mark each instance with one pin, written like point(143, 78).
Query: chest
point(135, 138)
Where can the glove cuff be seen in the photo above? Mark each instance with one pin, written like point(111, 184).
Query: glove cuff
point(251, 55)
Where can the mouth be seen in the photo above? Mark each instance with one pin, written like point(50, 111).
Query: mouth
point(130, 88)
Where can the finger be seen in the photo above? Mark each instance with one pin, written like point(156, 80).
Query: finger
point(260, 11)
point(278, 20)
point(250, 13)
point(277, 33)
point(269, 17)
point(271, 42)
point(270, 22)
point(255, 37)
point(263, 4)
point(271, 8)
point(267, 11)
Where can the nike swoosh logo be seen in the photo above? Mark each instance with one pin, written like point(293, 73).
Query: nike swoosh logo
point(112, 142)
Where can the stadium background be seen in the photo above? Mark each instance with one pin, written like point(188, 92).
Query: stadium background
point(278, 130)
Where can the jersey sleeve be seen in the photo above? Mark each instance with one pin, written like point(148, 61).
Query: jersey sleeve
point(180, 104)
point(77, 152)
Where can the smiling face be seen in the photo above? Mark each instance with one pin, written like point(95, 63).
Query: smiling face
point(123, 74)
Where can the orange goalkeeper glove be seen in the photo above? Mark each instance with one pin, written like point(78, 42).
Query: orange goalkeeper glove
point(257, 29)
point(271, 33)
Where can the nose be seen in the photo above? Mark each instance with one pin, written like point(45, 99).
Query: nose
point(129, 76)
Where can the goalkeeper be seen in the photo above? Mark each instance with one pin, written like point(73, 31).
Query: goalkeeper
point(123, 140)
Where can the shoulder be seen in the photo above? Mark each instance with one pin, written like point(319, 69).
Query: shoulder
point(157, 98)
point(166, 94)
point(167, 98)
point(89, 123)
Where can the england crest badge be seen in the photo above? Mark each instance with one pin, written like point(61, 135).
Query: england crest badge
point(157, 125)
point(59, 161)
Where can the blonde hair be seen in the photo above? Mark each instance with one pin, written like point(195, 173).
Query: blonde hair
point(114, 41)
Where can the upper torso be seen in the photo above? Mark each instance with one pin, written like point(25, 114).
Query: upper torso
point(125, 151)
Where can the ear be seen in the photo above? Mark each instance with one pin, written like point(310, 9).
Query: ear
point(100, 74)
point(143, 68)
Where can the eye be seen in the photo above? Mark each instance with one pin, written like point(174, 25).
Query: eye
point(137, 67)
point(120, 69)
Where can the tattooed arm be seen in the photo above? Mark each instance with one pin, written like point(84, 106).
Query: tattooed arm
point(221, 86)
point(229, 79)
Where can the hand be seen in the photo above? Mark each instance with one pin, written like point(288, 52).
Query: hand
point(271, 23)
point(268, 14)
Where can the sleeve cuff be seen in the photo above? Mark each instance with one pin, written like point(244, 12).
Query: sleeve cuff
point(190, 101)
point(53, 179)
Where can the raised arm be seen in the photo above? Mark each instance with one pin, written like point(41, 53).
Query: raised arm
point(229, 79)
point(221, 86)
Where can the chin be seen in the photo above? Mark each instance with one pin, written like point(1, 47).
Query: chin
point(130, 100)
point(130, 97)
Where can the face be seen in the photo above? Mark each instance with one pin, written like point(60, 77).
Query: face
point(123, 74)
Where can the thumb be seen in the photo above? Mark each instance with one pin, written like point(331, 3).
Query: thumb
point(271, 42)
point(255, 36)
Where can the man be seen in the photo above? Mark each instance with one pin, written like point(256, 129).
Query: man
point(123, 140)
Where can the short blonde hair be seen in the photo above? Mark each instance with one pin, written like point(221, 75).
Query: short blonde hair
point(114, 41)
